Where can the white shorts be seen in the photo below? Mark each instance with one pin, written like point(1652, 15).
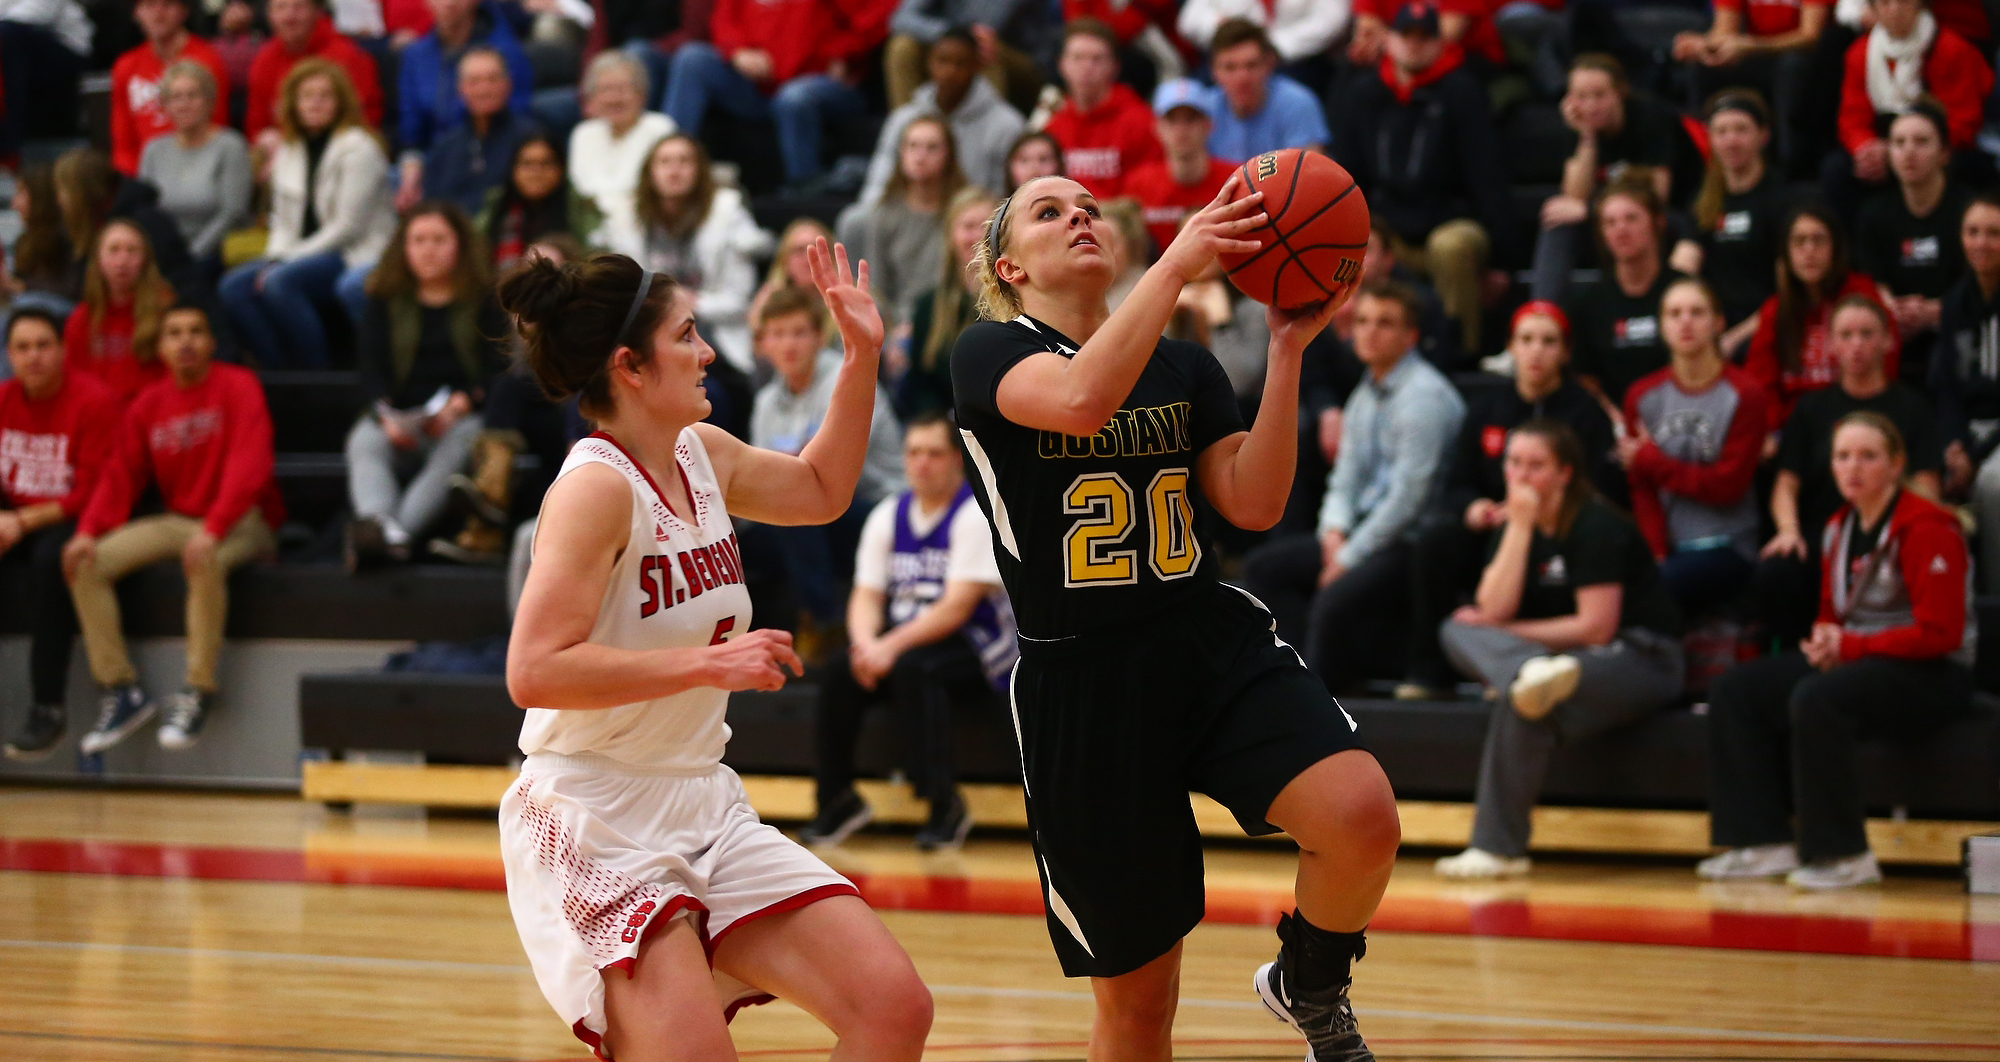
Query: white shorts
point(600, 854)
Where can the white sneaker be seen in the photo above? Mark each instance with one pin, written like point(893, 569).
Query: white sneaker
point(1756, 861)
point(1543, 683)
point(1837, 873)
point(1480, 863)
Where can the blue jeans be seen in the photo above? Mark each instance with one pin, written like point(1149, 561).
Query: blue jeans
point(281, 324)
point(352, 290)
point(699, 77)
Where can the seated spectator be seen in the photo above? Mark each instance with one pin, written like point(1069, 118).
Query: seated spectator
point(1690, 444)
point(1621, 137)
point(1448, 548)
point(983, 126)
point(1420, 140)
point(1890, 656)
point(702, 235)
point(1104, 127)
point(428, 351)
point(202, 436)
point(1616, 337)
point(1008, 34)
point(331, 216)
point(607, 152)
point(929, 627)
point(785, 61)
point(1470, 24)
point(1905, 57)
point(138, 81)
point(1965, 379)
point(1300, 30)
point(301, 30)
point(1737, 214)
point(940, 314)
point(113, 335)
point(202, 169)
point(901, 236)
point(1805, 495)
point(786, 414)
point(790, 269)
point(1259, 109)
point(532, 204)
point(1788, 354)
point(1148, 51)
point(1186, 177)
point(88, 193)
point(430, 101)
point(470, 159)
point(40, 270)
point(55, 434)
point(1570, 626)
point(1766, 45)
point(1437, 335)
point(1341, 595)
point(1033, 154)
point(1906, 237)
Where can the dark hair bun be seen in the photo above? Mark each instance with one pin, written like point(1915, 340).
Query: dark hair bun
point(536, 292)
point(569, 316)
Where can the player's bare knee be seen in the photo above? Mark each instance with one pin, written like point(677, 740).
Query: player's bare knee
point(1356, 818)
point(901, 1010)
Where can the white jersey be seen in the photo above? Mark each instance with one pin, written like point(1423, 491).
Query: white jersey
point(678, 583)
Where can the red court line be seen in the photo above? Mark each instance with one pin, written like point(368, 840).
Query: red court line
point(1525, 919)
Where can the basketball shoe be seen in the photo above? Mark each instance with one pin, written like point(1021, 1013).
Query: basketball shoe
point(1324, 1017)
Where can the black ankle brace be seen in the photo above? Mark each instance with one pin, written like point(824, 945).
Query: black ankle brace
point(1318, 959)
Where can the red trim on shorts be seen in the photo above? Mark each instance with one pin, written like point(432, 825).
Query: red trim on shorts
point(661, 917)
point(789, 903)
point(687, 485)
point(595, 1042)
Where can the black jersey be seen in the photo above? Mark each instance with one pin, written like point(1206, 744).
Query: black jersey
point(1092, 532)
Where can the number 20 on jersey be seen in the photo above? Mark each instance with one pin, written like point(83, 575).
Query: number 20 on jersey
point(1105, 502)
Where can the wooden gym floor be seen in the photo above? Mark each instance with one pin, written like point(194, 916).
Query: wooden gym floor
point(141, 926)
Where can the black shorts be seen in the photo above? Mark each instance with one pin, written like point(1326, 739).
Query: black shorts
point(1117, 728)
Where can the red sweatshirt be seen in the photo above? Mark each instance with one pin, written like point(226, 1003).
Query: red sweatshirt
point(1954, 72)
point(802, 36)
point(1907, 598)
point(207, 447)
point(273, 62)
point(1166, 202)
point(1480, 39)
point(1102, 145)
point(136, 114)
point(1128, 19)
point(1816, 365)
point(1717, 484)
point(106, 354)
point(53, 450)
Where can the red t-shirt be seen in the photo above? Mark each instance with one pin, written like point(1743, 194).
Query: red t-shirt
point(52, 450)
point(106, 353)
point(1167, 203)
point(1767, 18)
point(1817, 367)
point(1102, 145)
point(273, 62)
point(136, 114)
point(207, 447)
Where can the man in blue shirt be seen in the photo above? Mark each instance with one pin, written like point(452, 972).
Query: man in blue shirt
point(1257, 109)
point(472, 158)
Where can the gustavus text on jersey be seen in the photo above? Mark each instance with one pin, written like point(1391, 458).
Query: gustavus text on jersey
point(1131, 433)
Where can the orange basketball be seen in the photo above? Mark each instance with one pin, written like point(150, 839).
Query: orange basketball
point(1316, 235)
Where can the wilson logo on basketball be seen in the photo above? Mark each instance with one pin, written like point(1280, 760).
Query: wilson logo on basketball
point(1267, 167)
point(1347, 270)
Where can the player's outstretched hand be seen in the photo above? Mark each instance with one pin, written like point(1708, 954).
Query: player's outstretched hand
point(755, 661)
point(846, 295)
point(1217, 228)
point(1292, 329)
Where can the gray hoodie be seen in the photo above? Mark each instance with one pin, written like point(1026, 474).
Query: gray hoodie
point(984, 127)
point(786, 422)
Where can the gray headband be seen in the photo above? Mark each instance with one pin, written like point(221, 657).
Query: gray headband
point(638, 299)
point(993, 234)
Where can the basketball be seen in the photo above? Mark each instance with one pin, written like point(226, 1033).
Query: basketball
point(1316, 235)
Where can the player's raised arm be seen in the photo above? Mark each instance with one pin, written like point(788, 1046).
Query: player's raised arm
point(1048, 231)
point(816, 486)
point(1248, 476)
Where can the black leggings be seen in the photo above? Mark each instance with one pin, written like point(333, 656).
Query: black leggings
point(1782, 739)
point(37, 559)
point(924, 687)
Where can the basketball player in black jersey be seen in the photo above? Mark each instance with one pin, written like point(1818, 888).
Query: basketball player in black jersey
point(1142, 676)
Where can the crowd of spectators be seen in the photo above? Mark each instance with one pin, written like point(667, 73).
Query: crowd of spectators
point(1680, 326)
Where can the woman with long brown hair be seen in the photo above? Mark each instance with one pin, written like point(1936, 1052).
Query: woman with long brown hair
point(943, 312)
point(331, 215)
point(1571, 625)
point(114, 333)
point(689, 227)
point(38, 271)
point(903, 234)
point(428, 350)
point(1789, 354)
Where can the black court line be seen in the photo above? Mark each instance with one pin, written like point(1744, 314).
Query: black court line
point(222, 1045)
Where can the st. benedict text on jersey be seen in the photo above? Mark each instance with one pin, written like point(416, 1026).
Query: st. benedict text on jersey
point(688, 574)
point(1131, 433)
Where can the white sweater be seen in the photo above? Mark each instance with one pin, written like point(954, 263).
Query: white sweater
point(357, 212)
point(607, 168)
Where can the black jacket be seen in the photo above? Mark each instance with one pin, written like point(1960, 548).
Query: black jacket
point(1491, 412)
point(1965, 368)
point(1428, 159)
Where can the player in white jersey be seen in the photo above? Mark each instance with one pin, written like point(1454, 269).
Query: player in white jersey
point(650, 899)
